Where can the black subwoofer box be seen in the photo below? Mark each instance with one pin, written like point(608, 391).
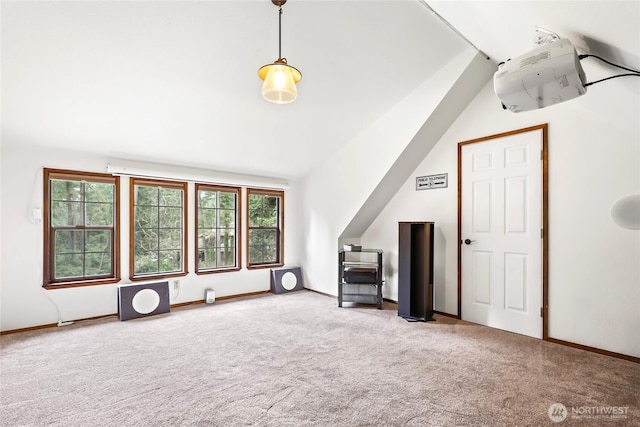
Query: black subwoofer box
point(285, 280)
point(142, 299)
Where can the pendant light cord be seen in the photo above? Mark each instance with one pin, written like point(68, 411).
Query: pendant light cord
point(280, 33)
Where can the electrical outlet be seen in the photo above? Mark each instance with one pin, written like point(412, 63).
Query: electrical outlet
point(176, 284)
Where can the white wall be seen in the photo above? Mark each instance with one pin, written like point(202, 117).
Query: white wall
point(24, 303)
point(334, 193)
point(594, 159)
point(439, 206)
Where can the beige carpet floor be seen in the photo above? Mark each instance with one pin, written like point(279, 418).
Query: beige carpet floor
point(296, 360)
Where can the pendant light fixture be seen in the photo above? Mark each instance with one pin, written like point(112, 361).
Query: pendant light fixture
point(279, 78)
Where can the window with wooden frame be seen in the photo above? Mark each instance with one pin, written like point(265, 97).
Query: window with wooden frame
point(217, 228)
point(158, 221)
point(81, 228)
point(265, 237)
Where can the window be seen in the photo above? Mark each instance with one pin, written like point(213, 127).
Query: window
point(265, 214)
point(81, 245)
point(217, 228)
point(157, 230)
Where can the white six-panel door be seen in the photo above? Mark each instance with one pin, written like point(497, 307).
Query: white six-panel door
point(501, 222)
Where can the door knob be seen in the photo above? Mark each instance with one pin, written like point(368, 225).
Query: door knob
point(468, 241)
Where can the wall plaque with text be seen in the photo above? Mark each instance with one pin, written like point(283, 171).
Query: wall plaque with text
point(431, 182)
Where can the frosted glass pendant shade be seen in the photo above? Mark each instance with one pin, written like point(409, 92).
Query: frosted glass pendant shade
point(279, 82)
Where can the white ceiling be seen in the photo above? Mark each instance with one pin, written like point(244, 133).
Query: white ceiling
point(176, 82)
point(506, 29)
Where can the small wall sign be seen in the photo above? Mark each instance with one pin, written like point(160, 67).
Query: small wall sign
point(430, 182)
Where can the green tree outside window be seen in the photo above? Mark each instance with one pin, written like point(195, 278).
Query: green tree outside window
point(265, 227)
point(217, 227)
point(80, 229)
point(158, 229)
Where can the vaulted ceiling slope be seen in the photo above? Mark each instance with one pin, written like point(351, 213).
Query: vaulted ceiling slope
point(610, 29)
point(176, 82)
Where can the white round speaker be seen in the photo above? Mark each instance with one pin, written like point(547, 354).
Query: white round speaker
point(289, 281)
point(626, 212)
point(145, 301)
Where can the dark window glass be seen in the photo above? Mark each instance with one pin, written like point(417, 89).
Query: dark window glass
point(217, 228)
point(265, 217)
point(81, 236)
point(158, 228)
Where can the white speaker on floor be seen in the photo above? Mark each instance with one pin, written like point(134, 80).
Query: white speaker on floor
point(142, 299)
point(285, 280)
point(209, 296)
